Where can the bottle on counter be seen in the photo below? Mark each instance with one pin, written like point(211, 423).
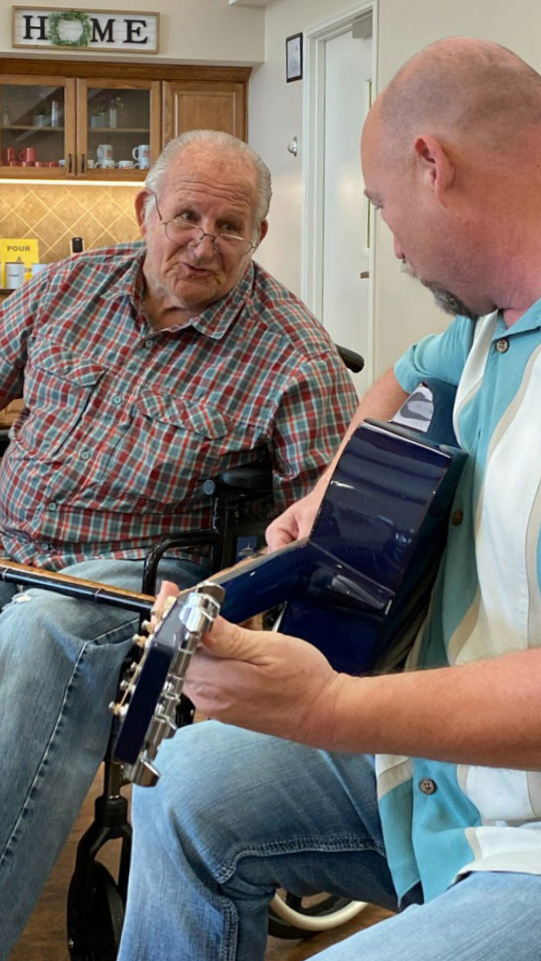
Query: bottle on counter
point(76, 245)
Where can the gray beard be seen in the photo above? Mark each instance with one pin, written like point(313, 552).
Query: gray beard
point(449, 303)
point(444, 298)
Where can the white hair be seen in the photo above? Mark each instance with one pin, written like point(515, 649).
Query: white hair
point(172, 150)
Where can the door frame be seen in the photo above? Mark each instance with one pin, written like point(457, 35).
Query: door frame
point(313, 126)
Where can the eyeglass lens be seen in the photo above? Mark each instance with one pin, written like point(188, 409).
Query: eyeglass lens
point(178, 232)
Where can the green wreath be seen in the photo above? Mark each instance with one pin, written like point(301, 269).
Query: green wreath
point(53, 32)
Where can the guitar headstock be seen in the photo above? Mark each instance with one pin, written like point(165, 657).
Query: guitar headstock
point(151, 691)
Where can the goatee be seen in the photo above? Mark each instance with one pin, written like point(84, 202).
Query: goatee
point(444, 298)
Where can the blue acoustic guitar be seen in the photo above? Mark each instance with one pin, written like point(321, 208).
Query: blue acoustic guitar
point(357, 587)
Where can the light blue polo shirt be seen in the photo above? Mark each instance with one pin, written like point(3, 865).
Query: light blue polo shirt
point(442, 820)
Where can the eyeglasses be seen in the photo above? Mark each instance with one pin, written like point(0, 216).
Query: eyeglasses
point(180, 232)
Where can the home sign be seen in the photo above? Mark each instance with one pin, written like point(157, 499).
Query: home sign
point(52, 28)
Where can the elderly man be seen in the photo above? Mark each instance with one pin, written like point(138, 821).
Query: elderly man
point(444, 824)
point(144, 369)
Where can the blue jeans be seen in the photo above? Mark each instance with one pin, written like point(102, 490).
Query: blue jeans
point(59, 665)
point(237, 814)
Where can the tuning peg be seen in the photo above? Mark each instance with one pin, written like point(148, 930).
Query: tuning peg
point(143, 773)
point(140, 640)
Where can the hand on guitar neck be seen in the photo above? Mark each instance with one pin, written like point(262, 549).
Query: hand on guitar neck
point(264, 680)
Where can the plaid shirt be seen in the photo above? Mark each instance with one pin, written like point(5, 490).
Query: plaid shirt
point(122, 424)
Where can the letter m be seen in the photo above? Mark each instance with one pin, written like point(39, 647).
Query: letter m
point(104, 33)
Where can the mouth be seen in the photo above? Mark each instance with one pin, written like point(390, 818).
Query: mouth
point(196, 271)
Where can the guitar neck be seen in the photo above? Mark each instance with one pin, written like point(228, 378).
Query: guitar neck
point(253, 586)
point(75, 587)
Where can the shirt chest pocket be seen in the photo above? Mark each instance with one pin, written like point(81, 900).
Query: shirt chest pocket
point(57, 390)
point(181, 443)
point(196, 417)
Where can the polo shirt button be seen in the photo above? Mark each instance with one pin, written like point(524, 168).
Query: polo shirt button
point(457, 517)
point(148, 343)
point(428, 786)
point(502, 345)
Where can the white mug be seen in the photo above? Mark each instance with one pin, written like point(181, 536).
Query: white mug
point(125, 164)
point(90, 163)
point(106, 163)
point(104, 151)
point(15, 272)
point(141, 153)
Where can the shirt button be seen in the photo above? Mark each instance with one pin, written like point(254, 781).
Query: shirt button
point(148, 343)
point(85, 454)
point(502, 345)
point(117, 399)
point(428, 786)
point(457, 517)
point(52, 506)
point(46, 547)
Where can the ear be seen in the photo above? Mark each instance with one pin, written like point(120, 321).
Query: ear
point(263, 227)
point(436, 167)
point(140, 209)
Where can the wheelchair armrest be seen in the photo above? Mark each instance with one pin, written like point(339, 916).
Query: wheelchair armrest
point(252, 478)
point(353, 361)
point(187, 539)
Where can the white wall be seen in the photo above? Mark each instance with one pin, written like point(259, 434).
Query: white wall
point(191, 31)
point(403, 310)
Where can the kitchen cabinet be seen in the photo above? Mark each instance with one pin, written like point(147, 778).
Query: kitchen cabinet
point(73, 120)
point(200, 105)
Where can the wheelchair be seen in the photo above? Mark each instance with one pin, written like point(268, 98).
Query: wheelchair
point(241, 500)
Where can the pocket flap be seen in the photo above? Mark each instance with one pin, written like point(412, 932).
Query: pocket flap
point(193, 415)
point(65, 364)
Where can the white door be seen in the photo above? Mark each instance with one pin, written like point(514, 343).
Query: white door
point(337, 268)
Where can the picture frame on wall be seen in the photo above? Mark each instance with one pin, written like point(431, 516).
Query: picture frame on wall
point(294, 57)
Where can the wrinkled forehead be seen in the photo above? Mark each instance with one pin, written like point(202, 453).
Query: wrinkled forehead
point(212, 175)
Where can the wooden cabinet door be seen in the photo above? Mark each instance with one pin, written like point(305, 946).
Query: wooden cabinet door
point(37, 126)
point(203, 105)
point(122, 116)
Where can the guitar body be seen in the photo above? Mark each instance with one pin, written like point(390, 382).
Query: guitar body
point(358, 586)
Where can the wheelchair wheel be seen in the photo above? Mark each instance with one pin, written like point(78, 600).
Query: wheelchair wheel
point(294, 917)
point(101, 927)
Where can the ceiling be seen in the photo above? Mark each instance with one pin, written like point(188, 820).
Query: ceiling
point(250, 3)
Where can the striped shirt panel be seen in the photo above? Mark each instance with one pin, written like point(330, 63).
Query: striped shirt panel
point(121, 424)
point(489, 584)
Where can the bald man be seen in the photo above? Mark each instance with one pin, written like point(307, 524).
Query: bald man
point(418, 791)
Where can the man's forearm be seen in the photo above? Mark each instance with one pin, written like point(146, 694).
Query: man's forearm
point(487, 712)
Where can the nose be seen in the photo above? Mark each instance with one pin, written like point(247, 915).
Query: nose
point(206, 244)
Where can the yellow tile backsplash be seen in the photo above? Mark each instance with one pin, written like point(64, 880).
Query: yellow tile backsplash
point(54, 213)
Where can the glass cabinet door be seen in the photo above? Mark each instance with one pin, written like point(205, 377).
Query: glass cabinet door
point(36, 127)
point(119, 138)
